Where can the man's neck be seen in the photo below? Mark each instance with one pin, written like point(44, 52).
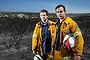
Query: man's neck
point(62, 19)
point(45, 22)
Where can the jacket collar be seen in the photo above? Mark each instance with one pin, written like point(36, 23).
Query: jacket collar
point(66, 21)
point(50, 22)
point(42, 24)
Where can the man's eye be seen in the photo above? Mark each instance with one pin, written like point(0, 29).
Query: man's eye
point(43, 15)
point(59, 11)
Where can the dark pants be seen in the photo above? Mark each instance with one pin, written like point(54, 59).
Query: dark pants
point(45, 56)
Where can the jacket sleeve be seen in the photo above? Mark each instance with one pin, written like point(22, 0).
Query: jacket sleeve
point(34, 38)
point(78, 49)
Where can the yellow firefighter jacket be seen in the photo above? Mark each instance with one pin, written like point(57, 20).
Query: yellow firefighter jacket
point(67, 26)
point(37, 36)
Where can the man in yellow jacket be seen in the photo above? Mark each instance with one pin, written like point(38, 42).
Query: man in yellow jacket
point(66, 25)
point(43, 38)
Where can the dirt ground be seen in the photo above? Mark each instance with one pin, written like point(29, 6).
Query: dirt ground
point(24, 52)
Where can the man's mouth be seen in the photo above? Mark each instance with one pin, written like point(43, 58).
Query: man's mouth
point(60, 16)
point(44, 20)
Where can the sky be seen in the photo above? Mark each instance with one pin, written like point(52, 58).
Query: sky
point(72, 6)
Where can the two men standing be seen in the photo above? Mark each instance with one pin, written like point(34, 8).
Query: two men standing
point(48, 36)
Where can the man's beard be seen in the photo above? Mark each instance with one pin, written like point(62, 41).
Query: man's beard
point(44, 21)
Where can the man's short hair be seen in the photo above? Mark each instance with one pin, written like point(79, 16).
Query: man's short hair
point(58, 6)
point(43, 10)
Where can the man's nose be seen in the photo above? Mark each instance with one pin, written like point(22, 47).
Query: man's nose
point(59, 13)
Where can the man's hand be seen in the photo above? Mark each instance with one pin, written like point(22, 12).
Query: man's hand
point(77, 57)
point(51, 49)
point(34, 52)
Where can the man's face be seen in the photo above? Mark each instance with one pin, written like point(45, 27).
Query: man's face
point(61, 14)
point(43, 17)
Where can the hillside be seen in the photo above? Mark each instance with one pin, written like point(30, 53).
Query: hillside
point(16, 30)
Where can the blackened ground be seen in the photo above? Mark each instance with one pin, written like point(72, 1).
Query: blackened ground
point(15, 37)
